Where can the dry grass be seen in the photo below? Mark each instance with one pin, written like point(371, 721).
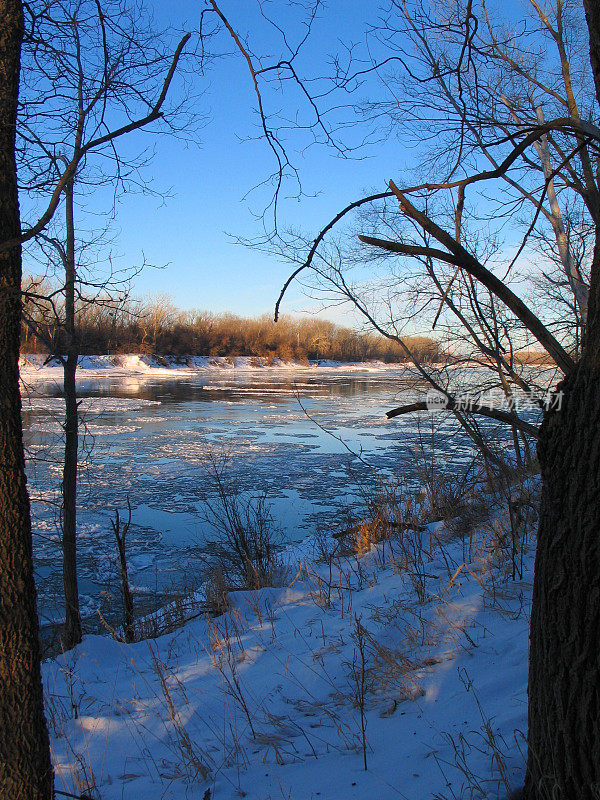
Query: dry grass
point(394, 644)
point(192, 763)
point(216, 590)
point(181, 608)
point(495, 781)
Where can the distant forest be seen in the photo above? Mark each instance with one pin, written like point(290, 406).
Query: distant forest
point(155, 326)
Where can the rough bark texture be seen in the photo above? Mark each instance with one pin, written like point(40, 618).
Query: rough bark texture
point(25, 768)
point(592, 15)
point(72, 629)
point(564, 663)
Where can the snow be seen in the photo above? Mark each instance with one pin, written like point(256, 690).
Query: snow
point(34, 369)
point(261, 703)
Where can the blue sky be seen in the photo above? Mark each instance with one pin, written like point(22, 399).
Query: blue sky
point(189, 236)
point(188, 233)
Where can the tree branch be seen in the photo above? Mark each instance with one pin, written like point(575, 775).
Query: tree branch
point(71, 168)
point(461, 257)
point(473, 408)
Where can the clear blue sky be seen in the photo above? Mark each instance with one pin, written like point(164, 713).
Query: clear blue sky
point(189, 232)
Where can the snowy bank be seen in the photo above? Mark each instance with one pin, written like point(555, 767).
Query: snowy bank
point(421, 644)
point(33, 368)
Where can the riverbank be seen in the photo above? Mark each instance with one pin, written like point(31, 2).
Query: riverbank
point(398, 671)
point(33, 367)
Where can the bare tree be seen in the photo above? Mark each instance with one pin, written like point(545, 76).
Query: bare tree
point(91, 65)
point(476, 92)
point(25, 767)
point(120, 530)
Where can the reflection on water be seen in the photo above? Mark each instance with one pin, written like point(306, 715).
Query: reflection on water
point(317, 444)
point(207, 389)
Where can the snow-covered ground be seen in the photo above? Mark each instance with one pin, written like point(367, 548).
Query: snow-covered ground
point(34, 369)
point(264, 702)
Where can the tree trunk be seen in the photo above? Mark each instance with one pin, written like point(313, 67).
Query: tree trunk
point(72, 629)
point(25, 767)
point(120, 532)
point(592, 15)
point(564, 661)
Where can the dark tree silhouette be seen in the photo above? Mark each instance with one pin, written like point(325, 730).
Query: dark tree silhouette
point(25, 767)
point(564, 661)
point(95, 72)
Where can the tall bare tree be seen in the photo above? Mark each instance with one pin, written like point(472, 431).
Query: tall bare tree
point(25, 768)
point(92, 66)
point(564, 665)
point(507, 106)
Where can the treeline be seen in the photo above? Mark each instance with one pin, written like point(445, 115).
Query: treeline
point(156, 327)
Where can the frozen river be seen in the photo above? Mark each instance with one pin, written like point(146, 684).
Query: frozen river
point(314, 440)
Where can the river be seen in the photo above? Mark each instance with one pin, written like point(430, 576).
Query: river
point(317, 442)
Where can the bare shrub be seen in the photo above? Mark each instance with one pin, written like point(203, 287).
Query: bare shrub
point(387, 515)
point(473, 512)
point(360, 679)
point(325, 545)
point(512, 526)
point(461, 500)
point(120, 530)
point(191, 762)
point(183, 605)
point(225, 659)
point(486, 740)
point(246, 546)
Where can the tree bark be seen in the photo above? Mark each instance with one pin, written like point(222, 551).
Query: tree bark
point(120, 532)
point(564, 660)
point(592, 15)
point(25, 766)
point(72, 628)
